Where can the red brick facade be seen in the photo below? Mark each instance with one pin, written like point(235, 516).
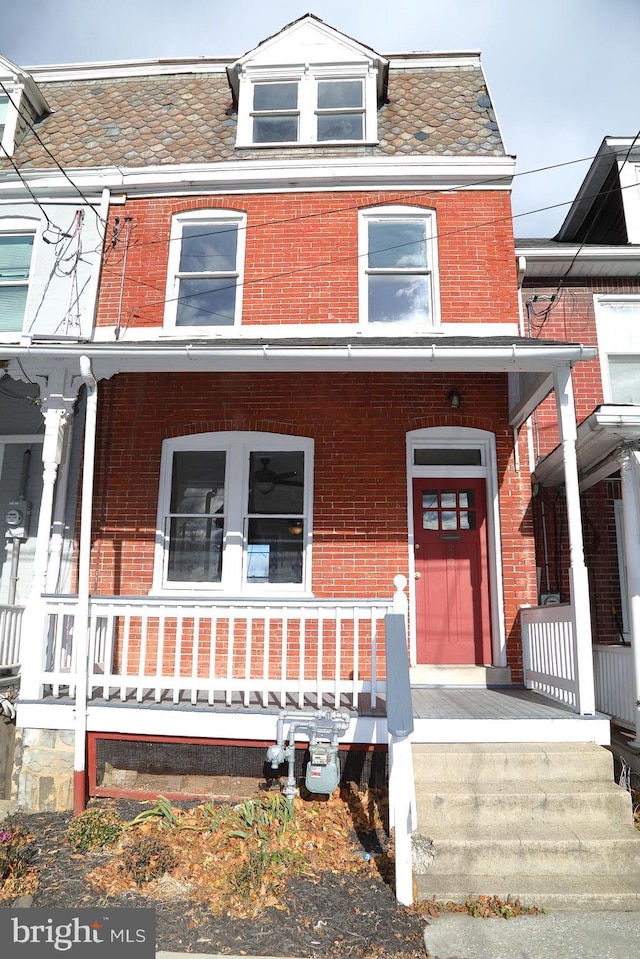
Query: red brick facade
point(301, 261)
point(359, 423)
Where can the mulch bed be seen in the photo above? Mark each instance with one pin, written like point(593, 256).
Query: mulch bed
point(347, 911)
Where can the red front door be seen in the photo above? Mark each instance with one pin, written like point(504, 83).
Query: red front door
point(452, 579)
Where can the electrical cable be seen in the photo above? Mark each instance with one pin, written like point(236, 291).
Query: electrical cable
point(329, 263)
point(51, 156)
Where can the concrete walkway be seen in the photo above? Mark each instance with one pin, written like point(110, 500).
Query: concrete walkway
point(560, 935)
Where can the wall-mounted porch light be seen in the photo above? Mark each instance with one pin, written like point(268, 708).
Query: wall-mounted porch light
point(454, 399)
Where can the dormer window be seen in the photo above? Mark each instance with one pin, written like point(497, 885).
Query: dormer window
point(21, 105)
point(309, 109)
point(308, 85)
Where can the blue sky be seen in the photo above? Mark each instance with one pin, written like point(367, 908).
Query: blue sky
point(562, 73)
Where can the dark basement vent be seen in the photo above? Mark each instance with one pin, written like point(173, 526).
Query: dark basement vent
point(143, 767)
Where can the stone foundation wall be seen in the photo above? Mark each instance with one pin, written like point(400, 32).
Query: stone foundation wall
point(7, 740)
point(43, 770)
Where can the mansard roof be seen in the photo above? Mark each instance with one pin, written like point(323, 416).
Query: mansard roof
point(133, 115)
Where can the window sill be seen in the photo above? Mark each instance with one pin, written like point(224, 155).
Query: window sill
point(306, 145)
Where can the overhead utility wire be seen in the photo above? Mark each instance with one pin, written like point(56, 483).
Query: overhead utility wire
point(552, 301)
point(33, 130)
point(486, 181)
point(341, 260)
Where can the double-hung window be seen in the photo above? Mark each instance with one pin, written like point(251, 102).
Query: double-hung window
point(307, 109)
point(398, 282)
point(234, 513)
point(15, 264)
point(618, 328)
point(204, 284)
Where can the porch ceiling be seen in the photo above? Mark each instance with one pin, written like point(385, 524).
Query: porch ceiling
point(599, 438)
point(330, 354)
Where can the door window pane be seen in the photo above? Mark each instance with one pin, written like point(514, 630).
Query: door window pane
point(449, 520)
point(430, 519)
point(449, 499)
point(430, 499)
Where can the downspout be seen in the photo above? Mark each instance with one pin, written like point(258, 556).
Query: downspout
point(81, 626)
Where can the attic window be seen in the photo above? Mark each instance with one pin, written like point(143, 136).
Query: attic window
point(306, 109)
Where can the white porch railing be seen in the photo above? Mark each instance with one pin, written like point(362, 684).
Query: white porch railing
point(550, 654)
point(615, 683)
point(10, 623)
point(186, 651)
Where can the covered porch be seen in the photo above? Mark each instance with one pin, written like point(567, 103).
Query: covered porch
point(155, 661)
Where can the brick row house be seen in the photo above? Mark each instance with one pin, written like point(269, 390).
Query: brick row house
point(585, 282)
point(289, 398)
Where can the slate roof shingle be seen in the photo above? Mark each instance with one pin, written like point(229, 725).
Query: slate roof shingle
point(189, 118)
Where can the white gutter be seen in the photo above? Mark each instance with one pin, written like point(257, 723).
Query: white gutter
point(81, 624)
point(512, 352)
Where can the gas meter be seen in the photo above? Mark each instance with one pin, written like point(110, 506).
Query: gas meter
point(323, 768)
point(322, 729)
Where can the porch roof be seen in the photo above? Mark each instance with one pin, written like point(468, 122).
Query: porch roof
point(599, 439)
point(431, 352)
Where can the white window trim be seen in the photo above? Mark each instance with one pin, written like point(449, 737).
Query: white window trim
point(307, 76)
point(619, 338)
point(394, 213)
point(175, 245)
point(14, 93)
point(440, 437)
point(237, 445)
point(22, 226)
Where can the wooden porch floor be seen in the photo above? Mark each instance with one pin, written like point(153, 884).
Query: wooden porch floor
point(429, 703)
point(501, 703)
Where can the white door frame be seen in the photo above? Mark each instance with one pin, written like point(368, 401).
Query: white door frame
point(454, 438)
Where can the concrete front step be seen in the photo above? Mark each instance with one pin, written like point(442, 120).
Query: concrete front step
point(531, 849)
point(506, 762)
point(506, 804)
point(562, 891)
point(539, 820)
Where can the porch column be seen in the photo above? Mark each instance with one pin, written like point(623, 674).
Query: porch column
point(578, 579)
point(630, 475)
point(57, 399)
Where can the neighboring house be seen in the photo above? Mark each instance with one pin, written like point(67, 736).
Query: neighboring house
point(585, 284)
point(50, 255)
point(303, 389)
